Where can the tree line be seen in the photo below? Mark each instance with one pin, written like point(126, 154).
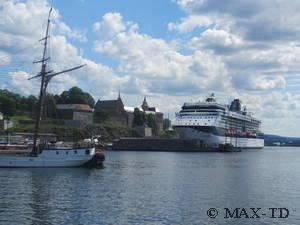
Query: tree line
point(12, 104)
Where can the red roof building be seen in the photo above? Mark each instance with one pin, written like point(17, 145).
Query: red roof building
point(79, 113)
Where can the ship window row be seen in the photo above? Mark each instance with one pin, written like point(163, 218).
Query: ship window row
point(241, 128)
point(67, 152)
point(229, 126)
point(185, 113)
point(201, 120)
point(250, 120)
point(200, 117)
point(204, 117)
point(233, 123)
point(192, 124)
point(239, 125)
point(240, 121)
point(226, 122)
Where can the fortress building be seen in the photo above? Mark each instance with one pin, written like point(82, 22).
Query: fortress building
point(116, 112)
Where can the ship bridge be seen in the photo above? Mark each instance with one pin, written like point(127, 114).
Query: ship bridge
point(203, 105)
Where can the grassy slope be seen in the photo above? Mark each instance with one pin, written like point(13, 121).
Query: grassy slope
point(108, 131)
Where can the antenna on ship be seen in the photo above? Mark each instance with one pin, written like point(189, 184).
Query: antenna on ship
point(46, 76)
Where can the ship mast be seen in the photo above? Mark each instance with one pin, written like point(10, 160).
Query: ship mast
point(46, 76)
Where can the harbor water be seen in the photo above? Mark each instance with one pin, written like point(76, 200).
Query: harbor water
point(157, 188)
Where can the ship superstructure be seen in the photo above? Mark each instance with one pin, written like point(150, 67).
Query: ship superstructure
point(215, 124)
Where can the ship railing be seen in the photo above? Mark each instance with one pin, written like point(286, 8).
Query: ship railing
point(244, 117)
point(203, 103)
point(12, 140)
point(234, 133)
point(66, 145)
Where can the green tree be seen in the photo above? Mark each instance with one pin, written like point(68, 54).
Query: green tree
point(75, 96)
point(151, 122)
point(21, 103)
point(139, 117)
point(31, 103)
point(100, 116)
point(7, 106)
point(49, 110)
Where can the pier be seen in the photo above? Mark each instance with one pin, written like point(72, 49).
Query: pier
point(166, 145)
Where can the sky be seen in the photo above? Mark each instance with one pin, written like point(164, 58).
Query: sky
point(172, 51)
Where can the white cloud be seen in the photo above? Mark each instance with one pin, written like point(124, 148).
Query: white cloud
point(16, 16)
point(110, 25)
point(221, 41)
point(19, 82)
point(21, 25)
point(4, 58)
point(189, 23)
point(64, 29)
point(256, 20)
point(157, 65)
point(100, 80)
point(252, 37)
point(262, 83)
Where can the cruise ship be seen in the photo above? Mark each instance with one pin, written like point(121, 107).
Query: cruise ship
point(216, 124)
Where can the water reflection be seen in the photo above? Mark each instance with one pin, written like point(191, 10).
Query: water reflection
point(36, 196)
point(40, 196)
point(153, 188)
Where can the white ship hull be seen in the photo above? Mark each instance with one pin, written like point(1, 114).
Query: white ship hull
point(49, 158)
point(212, 139)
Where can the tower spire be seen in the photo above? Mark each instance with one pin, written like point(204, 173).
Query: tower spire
point(145, 105)
point(119, 95)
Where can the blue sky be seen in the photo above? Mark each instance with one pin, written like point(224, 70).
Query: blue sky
point(152, 18)
point(170, 50)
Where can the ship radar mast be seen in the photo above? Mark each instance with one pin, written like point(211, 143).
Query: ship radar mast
point(46, 76)
point(211, 98)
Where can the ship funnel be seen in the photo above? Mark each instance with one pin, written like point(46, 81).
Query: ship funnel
point(236, 105)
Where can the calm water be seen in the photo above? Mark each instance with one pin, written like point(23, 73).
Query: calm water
point(156, 188)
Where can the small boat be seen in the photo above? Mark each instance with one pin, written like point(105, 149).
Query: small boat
point(50, 155)
point(229, 148)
